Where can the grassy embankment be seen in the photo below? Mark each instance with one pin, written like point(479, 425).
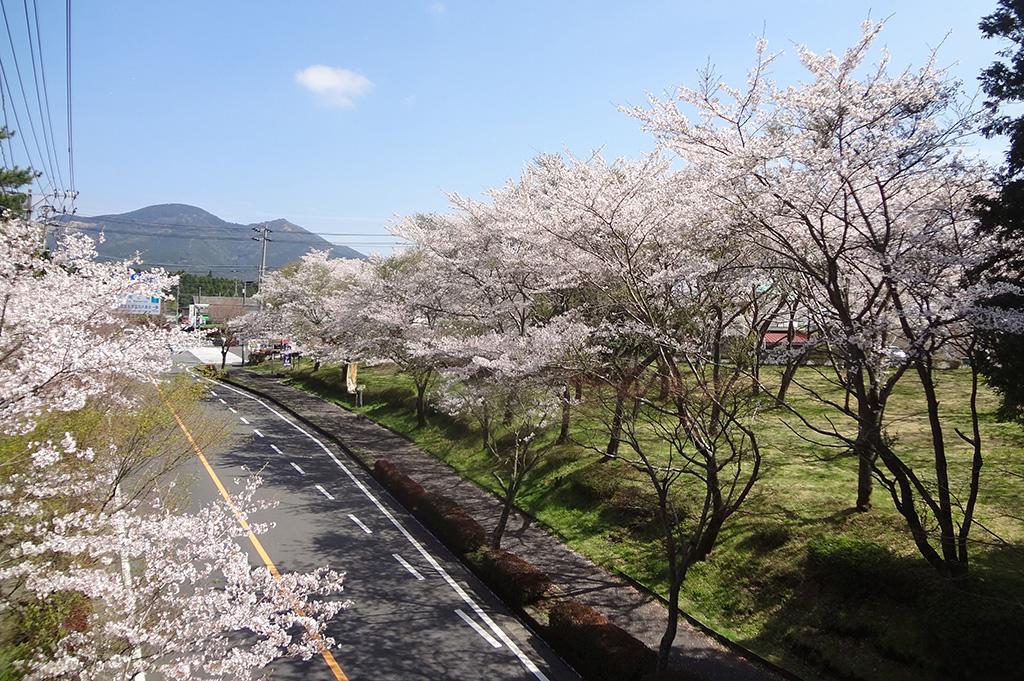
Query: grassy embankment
point(799, 577)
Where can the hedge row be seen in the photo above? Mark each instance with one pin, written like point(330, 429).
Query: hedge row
point(449, 521)
point(596, 648)
point(516, 581)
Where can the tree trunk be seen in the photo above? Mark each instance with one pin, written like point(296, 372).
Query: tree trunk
point(579, 389)
point(867, 424)
point(421, 406)
point(485, 428)
point(616, 426)
point(709, 536)
point(865, 482)
point(665, 648)
point(506, 511)
point(787, 378)
point(563, 433)
point(316, 365)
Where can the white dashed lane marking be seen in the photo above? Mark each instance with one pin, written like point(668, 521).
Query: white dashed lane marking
point(404, 563)
point(359, 522)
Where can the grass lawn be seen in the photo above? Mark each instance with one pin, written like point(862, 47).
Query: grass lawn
point(797, 577)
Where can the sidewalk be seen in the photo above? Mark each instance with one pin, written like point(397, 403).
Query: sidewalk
point(636, 612)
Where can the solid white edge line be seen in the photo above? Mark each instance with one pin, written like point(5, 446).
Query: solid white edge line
point(404, 563)
point(477, 628)
point(498, 631)
point(244, 420)
point(296, 467)
point(360, 523)
point(324, 492)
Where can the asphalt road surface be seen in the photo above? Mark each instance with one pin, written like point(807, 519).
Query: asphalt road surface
point(417, 613)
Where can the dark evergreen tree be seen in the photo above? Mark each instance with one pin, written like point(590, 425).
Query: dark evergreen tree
point(11, 180)
point(1003, 82)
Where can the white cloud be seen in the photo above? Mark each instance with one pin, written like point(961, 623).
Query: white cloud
point(438, 8)
point(334, 86)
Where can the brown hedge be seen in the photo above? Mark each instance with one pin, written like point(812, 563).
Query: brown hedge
point(515, 580)
point(596, 648)
point(449, 521)
point(456, 528)
point(408, 492)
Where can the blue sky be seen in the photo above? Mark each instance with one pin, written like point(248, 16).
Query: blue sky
point(201, 103)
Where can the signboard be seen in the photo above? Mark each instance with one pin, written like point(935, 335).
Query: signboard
point(351, 377)
point(138, 304)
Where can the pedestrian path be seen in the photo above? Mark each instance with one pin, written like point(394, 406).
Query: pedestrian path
point(637, 612)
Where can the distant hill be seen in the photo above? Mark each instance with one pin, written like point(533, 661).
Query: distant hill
point(177, 236)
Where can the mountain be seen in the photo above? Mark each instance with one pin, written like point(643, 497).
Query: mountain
point(177, 236)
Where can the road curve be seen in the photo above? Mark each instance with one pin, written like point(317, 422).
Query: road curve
point(417, 613)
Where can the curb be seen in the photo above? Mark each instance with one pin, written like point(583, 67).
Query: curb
point(736, 648)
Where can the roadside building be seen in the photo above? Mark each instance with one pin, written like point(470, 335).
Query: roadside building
point(221, 309)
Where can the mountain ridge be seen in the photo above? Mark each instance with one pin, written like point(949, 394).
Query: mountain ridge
point(180, 236)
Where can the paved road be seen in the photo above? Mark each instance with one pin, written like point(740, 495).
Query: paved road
point(417, 613)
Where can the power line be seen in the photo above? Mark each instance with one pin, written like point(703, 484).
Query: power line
point(17, 122)
point(46, 92)
point(24, 95)
point(71, 137)
point(43, 115)
point(142, 223)
point(213, 237)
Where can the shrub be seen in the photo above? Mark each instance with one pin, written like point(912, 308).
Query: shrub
point(210, 371)
point(456, 528)
point(444, 516)
point(596, 648)
point(407, 491)
point(515, 580)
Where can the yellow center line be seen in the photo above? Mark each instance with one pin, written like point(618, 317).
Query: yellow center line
point(324, 650)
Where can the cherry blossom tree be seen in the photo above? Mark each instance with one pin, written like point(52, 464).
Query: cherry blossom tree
point(315, 302)
point(160, 590)
point(163, 591)
point(856, 183)
point(63, 335)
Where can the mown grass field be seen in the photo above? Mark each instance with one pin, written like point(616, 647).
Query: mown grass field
point(798, 577)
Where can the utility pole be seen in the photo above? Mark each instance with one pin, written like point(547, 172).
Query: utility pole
point(264, 237)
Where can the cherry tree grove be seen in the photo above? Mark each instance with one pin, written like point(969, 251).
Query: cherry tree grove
point(857, 183)
point(151, 588)
point(847, 200)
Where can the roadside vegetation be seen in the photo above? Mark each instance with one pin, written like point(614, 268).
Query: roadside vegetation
point(747, 368)
point(800, 577)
